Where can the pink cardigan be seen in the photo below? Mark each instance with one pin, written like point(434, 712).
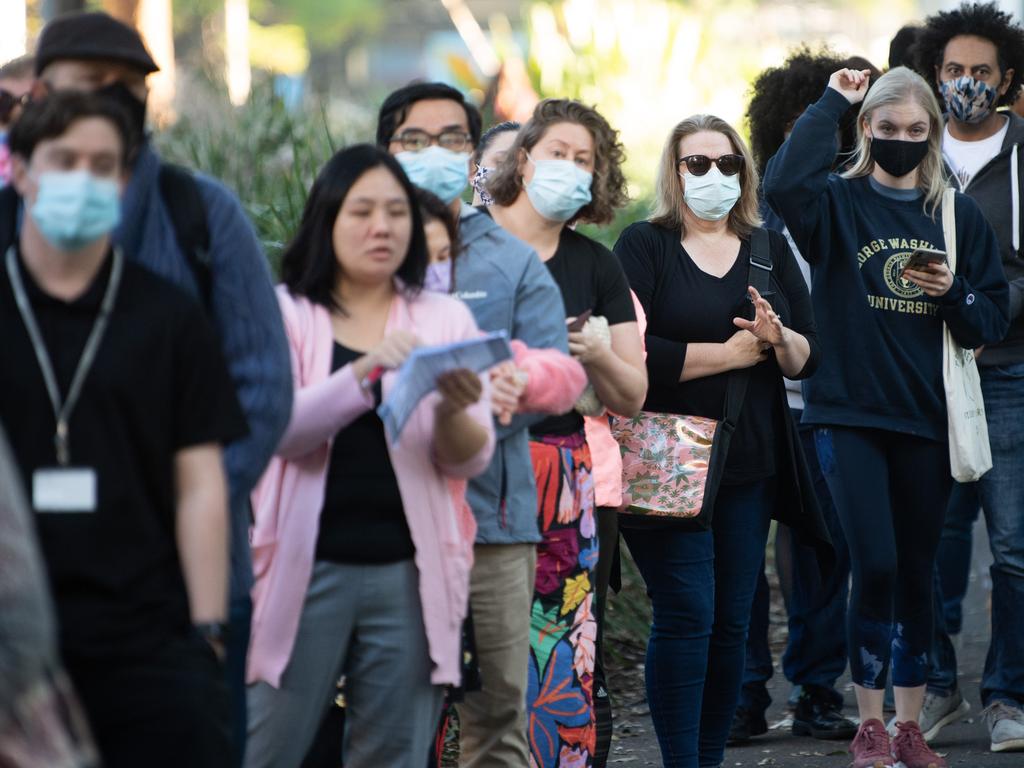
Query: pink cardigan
point(604, 451)
point(288, 498)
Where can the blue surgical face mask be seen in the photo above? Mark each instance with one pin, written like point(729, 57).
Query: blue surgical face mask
point(558, 189)
point(439, 277)
point(712, 196)
point(437, 170)
point(75, 208)
point(968, 100)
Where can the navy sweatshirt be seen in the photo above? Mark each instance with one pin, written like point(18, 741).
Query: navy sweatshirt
point(881, 336)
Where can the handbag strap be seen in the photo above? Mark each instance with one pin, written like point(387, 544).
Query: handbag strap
point(949, 226)
point(759, 277)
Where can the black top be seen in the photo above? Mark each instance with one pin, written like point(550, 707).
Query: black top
point(590, 277)
point(685, 304)
point(158, 385)
point(363, 519)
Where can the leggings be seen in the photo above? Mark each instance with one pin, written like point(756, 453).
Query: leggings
point(890, 491)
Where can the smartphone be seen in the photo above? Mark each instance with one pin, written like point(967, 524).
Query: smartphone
point(922, 258)
point(580, 321)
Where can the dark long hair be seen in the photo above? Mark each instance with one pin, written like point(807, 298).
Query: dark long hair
point(309, 266)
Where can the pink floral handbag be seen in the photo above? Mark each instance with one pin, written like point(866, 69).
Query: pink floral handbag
point(665, 461)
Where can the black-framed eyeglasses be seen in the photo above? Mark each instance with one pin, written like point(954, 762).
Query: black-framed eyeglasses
point(413, 140)
point(698, 165)
point(8, 101)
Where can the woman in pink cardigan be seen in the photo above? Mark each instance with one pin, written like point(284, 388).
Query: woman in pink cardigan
point(362, 566)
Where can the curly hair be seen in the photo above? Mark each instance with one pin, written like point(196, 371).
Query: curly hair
point(779, 95)
point(608, 188)
point(983, 20)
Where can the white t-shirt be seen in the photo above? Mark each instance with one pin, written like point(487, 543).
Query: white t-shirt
point(966, 158)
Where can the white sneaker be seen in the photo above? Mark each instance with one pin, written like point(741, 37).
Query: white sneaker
point(937, 712)
point(1005, 726)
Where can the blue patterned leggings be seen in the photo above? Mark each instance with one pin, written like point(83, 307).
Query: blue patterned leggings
point(890, 490)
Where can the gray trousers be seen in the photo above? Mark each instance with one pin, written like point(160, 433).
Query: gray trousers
point(366, 622)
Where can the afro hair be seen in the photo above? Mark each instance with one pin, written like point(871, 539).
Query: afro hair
point(781, 94)
point(983, 20)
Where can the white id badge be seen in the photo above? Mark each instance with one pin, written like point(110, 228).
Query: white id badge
point(60, 489)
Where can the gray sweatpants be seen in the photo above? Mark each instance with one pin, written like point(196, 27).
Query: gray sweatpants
point(364, 621)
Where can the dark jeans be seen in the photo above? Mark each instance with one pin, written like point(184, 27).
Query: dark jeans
point(890, 490)
point(815, 655)
point(166, 710)
point(239, 624)
point(953, 563)
point(1001, 494)
point(701, 586)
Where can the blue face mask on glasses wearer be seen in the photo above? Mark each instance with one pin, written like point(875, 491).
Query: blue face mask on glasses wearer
point(74, 208)
point(437, 170)
point(558, 189)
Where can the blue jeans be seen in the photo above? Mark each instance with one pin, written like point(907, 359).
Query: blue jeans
point(815, 654)
point(954, 558)
point(701, 586)
point(1001, 493)
point(239, 624)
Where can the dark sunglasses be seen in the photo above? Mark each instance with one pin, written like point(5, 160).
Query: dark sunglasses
point(8, 101)
point(698, 165)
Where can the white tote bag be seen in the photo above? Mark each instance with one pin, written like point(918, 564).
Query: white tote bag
point(970, 455)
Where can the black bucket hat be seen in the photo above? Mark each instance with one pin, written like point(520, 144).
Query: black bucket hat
point(92, 37)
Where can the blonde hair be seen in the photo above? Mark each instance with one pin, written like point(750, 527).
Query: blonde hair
point(745, 216)
point(897, 86)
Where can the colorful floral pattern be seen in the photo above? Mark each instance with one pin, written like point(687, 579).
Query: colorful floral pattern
point(563, 629)
point(664, 462)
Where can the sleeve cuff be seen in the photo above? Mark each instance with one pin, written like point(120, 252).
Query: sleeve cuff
point(956, 294)
point(832, 104)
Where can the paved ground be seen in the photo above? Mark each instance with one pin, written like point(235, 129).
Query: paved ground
point(964, 744)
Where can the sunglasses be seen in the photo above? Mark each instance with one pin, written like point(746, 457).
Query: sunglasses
point(698, 165)
point(8, 101)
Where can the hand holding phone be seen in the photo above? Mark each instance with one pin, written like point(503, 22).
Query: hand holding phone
point(924, 258)
point(579, 321)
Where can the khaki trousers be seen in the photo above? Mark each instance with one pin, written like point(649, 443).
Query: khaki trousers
point(493, 720)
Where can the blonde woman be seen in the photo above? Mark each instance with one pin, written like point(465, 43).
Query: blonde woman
point(689, 266)
point(878, 401)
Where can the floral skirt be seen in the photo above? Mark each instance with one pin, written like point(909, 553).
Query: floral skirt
point(563, 629)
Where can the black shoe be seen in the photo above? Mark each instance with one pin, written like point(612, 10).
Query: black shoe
point(819, 716)
point(746, 724)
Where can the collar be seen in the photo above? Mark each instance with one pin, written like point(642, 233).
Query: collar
point(88, 302)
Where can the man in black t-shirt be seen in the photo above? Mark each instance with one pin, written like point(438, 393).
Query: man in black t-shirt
point(117, 401)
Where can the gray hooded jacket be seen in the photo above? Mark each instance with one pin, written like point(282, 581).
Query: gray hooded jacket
point(507, 288)
point(997, 190)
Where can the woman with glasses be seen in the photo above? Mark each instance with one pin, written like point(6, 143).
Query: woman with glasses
point(564, 167)
point(690, 266)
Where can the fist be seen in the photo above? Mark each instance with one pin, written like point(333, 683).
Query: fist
point(852, 83)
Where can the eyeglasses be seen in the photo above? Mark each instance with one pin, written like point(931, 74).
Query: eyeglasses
point(414, 140)
point(8, 101)
point(698, 165)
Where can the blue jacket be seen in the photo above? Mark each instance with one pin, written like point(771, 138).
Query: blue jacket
point(247, 318)
point(507, 288)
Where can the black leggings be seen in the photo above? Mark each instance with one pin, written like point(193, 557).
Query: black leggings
point(890, 491)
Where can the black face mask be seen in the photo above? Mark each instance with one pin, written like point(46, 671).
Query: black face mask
point(133, 107)
point(896, 157)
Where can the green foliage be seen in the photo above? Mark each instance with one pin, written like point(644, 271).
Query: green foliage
point(637, 210)
point(268, 155)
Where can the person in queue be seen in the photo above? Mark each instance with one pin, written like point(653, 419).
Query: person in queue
point(564, 167)
point(975, 55)
point(494, 143)
point(124, 461)
point(689, 267)
point(432, 131)
point(16, 79)
point(190, 229)
point(363, 567)
point(878, 436)
point(815, 655)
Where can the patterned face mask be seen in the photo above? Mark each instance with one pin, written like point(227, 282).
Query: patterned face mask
point(968, 100)
point(478, 184)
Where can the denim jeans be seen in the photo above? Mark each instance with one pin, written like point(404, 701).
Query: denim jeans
point(1001, 493)
point(815, 653)
point(954, 559)
point(701, 586)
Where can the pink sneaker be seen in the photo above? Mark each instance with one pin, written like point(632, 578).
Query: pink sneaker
point(871, 747)
point(911, 750)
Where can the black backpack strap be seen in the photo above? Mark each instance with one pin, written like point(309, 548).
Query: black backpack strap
point(9, 204)
point(184, 202)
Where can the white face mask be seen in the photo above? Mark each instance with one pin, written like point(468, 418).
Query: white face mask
point(712, 196)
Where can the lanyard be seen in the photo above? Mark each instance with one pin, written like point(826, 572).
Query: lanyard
point(62, 409)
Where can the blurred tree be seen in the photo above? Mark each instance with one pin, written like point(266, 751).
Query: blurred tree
point(51, 8)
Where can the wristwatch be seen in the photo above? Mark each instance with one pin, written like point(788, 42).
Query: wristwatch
point(213, 632)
